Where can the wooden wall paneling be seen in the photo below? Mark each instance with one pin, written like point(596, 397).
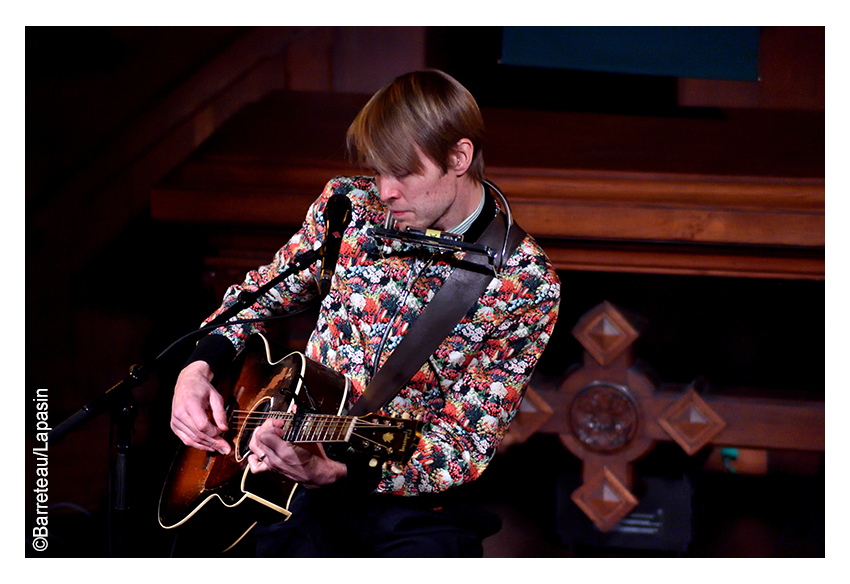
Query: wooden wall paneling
point(616, 201)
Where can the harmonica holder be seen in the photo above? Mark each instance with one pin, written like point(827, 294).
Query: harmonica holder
point(433, 239)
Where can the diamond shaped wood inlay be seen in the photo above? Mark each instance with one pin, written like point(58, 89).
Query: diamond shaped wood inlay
point(691, 422)
point(605, 333)
point(604, 499)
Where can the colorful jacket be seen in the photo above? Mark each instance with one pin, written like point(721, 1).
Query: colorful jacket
point(470, 389)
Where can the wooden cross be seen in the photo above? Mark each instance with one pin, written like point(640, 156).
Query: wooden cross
point(610, 412)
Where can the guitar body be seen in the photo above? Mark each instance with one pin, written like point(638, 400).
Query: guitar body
point(199, 481)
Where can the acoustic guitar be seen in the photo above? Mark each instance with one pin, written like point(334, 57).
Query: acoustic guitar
point(309, 397)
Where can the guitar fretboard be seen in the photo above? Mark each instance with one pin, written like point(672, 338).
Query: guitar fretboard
point(315, 427)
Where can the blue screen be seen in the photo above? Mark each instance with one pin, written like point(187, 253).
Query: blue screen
point(702, 52)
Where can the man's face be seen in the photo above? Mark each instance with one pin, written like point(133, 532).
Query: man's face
point(428, 199)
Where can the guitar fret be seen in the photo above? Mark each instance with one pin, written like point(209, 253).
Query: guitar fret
point(323, 428)
point(287, 423)
point(304, 430)
point(311, 429)
point(349, 429)
point(340, 435)
point(326, 425)
point(317, 428)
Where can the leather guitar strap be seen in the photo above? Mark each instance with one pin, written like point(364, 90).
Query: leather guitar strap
point(449, 305)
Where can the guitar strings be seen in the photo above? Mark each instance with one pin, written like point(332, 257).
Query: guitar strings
point(315, 424)
point(257, 418)
point(246, 416)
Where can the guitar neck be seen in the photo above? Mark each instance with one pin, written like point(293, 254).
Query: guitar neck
point(312, 428)
point(381, 436)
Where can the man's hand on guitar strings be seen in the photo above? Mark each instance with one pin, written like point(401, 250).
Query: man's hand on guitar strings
point(195, 402)
point(306, 464)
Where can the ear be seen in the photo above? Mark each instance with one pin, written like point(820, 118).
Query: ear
point(461, 156)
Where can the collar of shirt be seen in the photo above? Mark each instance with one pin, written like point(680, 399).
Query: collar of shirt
point(464, 225)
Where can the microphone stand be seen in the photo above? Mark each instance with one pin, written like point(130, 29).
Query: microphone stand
point(120, 402)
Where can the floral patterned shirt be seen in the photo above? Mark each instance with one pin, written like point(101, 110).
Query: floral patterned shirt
point(470, 389)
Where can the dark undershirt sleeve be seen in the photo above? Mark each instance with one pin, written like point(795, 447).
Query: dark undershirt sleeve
point(216, 350)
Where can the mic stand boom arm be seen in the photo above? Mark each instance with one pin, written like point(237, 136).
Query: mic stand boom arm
point(245, 298)
point(139, 374)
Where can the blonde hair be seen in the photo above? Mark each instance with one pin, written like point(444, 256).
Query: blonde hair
point(427, 108)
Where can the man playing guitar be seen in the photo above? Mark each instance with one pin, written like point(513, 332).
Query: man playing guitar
point(421, 138)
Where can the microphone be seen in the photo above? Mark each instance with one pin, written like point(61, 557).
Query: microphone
point(337, 217)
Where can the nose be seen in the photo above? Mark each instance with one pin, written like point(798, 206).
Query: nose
point(388, 188)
